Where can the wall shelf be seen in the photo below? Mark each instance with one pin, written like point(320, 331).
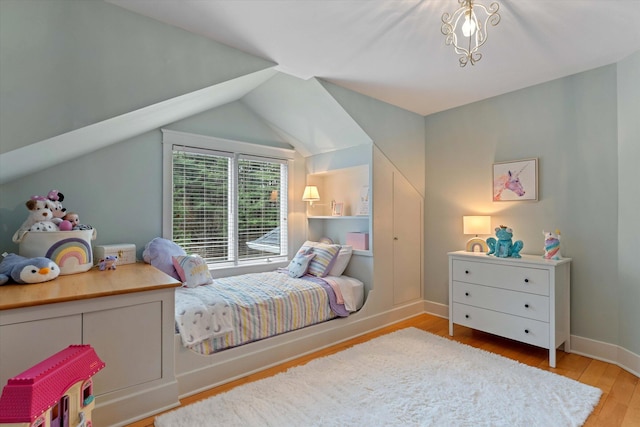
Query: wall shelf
point(345, 185)
point(362, 253)
point(363, 217)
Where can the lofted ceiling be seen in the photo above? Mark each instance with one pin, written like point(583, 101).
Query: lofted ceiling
point(393, 50)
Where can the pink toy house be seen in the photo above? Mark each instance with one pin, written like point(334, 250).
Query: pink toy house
point(57, 392)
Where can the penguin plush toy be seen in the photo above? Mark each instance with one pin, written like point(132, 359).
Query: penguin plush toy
point(24, 270)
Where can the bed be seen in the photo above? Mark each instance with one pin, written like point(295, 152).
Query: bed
point(241, 309)
point(213, 315)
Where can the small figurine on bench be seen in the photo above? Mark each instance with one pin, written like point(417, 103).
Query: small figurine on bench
point(108, 263)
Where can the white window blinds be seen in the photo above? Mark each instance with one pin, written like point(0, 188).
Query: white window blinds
point(229, 207)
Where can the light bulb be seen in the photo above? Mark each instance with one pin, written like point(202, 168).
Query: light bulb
point(469, 26)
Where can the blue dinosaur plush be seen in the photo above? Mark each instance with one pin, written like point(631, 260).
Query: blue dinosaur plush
point(27, 270)
point(504, 247)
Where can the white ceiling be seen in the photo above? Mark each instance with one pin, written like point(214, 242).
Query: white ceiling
point(393, 50)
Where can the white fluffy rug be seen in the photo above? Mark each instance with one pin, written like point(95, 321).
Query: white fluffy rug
point(406, 378)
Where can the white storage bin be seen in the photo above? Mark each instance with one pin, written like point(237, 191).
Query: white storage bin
point(71, 250)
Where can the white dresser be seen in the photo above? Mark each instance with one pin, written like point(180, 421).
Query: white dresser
point(525, 299)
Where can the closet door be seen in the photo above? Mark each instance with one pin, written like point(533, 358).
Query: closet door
point(407, 241)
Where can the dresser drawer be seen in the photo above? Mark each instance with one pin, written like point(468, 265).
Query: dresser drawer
point(511, 302)
point(524, 279)
point(518, 328)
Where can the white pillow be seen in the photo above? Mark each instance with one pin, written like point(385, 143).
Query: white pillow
point(342, 260)
point(352, 291)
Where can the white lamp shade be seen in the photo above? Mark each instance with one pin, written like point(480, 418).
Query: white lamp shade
point(310, 194)
point(476, 225)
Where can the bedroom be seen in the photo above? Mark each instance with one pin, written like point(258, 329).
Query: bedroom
point(67, 77)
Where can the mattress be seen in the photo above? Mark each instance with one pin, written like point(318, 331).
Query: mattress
point(240, 309)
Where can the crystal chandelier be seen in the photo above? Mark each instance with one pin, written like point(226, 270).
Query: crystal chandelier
point(467, 31)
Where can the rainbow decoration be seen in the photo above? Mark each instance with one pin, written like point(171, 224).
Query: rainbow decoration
point(73, 250)
point(476, 244)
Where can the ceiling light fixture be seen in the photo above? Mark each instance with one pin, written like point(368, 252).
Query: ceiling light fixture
point(473, 29)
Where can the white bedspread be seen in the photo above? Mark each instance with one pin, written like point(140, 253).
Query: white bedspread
point(200, 315)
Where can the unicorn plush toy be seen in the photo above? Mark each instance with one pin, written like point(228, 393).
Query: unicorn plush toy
point(551, 244)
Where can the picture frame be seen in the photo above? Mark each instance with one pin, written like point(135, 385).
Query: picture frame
point(363, 204)
point(337, 209)
point(515, 180)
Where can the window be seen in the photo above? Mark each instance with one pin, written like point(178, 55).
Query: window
point(230, 207)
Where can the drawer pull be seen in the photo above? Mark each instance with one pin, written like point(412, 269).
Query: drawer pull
point(526, 306)
point(526, 331)
point(526, 280)
point(466, 272)
point(466, 294)
point(466, 316)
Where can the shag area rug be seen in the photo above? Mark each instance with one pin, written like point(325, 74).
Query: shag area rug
point(406, 378)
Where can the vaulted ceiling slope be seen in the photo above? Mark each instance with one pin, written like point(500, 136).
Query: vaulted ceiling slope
point(302, 112)
point(85, 100)
point(394, 51)
point(70, 145)
point(305, 115)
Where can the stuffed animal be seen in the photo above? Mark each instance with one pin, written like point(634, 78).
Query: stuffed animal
point(44, 226)
point(70, 221)
point(108, 263)
point(27, 270)
point(504, 247)
point(551, 245)
point(55, 199)
point(159, 253)
point(38, 211)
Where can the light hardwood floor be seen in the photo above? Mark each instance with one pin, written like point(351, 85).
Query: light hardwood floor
point(618, 406)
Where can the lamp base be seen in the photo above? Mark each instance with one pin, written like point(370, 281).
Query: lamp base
point(476, 244)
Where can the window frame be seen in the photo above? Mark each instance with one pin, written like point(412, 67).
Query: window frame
point(238, 150)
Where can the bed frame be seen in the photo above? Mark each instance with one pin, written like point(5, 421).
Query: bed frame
point(196, 373)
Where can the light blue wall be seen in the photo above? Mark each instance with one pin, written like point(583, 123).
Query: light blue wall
point(116, 61)
point(67, 64)
point(118, 190)
point(398, 133)
point(571, 125)
point(629, 200)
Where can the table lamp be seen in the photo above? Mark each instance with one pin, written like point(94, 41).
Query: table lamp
point(311, 194)
point(476, 225)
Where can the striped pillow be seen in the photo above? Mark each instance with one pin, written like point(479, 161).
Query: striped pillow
point(325, 256)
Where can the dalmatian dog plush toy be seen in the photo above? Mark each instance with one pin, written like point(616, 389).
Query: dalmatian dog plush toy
point(39, 212)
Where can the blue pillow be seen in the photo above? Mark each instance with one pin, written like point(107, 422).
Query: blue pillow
point(299, 264)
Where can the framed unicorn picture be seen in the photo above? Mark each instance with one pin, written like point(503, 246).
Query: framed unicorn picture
point(515, 180)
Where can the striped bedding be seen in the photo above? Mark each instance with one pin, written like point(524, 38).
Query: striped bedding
point(266, 304)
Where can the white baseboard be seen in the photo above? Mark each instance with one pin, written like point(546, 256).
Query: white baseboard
point(436, 309)
point(606, 352)
point(594, 349)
